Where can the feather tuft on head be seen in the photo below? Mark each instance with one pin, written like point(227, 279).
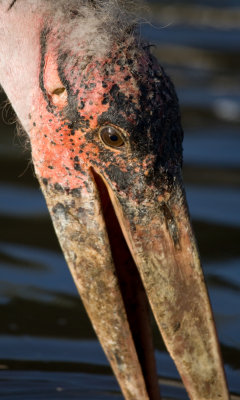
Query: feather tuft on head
point(92, 26)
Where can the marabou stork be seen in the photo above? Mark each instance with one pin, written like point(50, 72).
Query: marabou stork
point(104, 125)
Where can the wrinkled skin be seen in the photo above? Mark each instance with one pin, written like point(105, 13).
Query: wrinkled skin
point(120, 212)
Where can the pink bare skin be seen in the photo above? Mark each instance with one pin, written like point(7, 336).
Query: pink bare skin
point(106, 140)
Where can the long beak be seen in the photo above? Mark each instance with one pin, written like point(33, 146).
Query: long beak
point(120, 253)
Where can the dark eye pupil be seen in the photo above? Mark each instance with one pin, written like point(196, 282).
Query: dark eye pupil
point(111, 136)
point(114, 138)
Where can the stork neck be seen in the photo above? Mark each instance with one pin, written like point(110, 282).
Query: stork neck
point(20, 54)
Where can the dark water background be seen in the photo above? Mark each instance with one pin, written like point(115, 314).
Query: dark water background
point(48, 348)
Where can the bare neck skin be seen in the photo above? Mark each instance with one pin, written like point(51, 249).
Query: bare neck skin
point(20, 28)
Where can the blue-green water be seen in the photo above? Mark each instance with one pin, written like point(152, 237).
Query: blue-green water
point(48, 348)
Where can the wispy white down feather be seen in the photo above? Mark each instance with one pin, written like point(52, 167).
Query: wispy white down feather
point(92, 26)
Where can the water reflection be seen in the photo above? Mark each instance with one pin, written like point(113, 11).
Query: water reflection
point(45, 334)
point(213, 148)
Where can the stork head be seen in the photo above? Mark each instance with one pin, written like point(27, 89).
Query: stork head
point(106, 139)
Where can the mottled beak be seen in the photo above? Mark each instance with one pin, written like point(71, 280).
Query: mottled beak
point(122, 252)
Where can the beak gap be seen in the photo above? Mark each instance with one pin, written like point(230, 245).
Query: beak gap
point(132, 290)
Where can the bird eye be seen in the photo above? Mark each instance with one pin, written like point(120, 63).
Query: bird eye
point(111, 136)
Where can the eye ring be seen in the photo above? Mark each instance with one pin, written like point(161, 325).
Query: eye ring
point(111, 136)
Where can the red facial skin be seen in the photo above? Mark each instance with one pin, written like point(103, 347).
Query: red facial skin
point(121, 89)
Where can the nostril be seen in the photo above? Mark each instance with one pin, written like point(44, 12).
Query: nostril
point(58, 97)
point(52, 84)
point(58, 91)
